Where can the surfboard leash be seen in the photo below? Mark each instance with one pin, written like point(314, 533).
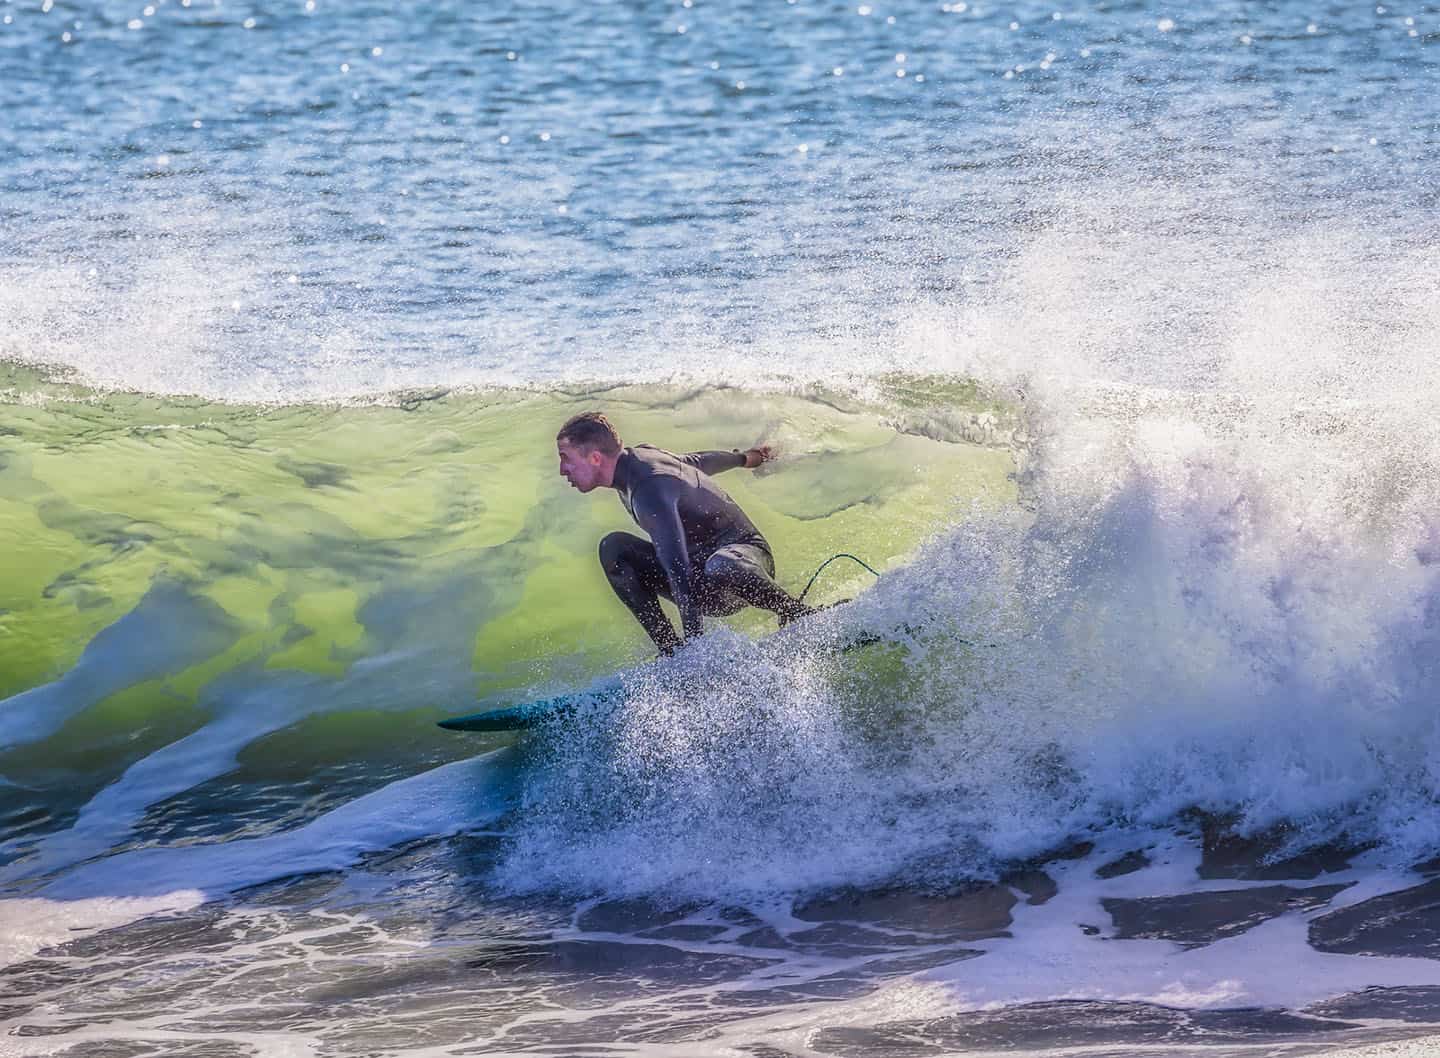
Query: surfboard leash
point(832, 558)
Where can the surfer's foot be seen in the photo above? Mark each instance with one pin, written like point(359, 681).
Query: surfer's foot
point(806, 611)
point(794, 615)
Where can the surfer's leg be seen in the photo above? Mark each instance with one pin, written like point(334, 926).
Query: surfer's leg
point(634, 571)
point(747, 571)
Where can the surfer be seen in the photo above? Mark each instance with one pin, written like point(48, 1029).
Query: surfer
point(704, 554)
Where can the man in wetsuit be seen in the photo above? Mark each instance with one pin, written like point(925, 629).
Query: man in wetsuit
point(703, 554)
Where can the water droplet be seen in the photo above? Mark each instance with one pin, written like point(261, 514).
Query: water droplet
point(890, 21)
point(803, 148)
point(162, 160)
point(900, 57)
point(1009, 75)
point(377, 52)
point(740, 86)
point(562, 208)
point(1165, 25)
point(680, 29)
point(919, 78)
point(149, 11)
point(511, 56)
point(1312, 28)
point(1409, 21)
point(134, 23)
point(197, 123)
point(900, 72)
point(344, 67)
point(1084, 53)
point(863, 10)
point(1056, 16)
point(839, 71)
point(1014, 26)
point(249, 23)
point(293, 278)
point(309, 5)
point(1246, 39)
point(504, 139)
point(1373, 141)
point(235, 305)
point(714, 66)
point(545, 137)
point(65, 37)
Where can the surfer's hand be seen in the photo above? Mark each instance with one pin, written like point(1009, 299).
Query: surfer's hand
point(757, 455)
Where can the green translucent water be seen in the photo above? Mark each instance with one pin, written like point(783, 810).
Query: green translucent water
point(347, 574)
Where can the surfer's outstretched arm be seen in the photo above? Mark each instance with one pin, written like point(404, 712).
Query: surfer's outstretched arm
point(715, 462)
point(656, 512)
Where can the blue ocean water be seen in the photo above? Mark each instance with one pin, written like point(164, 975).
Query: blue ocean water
point(1107, 332)
point(346, 197)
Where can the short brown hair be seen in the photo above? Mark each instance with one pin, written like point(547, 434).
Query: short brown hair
point(590, 429)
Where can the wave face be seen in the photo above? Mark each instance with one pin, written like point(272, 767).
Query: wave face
point(227, 620)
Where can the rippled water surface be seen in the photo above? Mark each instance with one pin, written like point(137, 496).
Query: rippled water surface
point(325, 197)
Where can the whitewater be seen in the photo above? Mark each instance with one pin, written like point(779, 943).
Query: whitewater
point(1106, 335)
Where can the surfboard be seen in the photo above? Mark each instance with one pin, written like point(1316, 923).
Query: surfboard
point(601, 696)
point(531, 714)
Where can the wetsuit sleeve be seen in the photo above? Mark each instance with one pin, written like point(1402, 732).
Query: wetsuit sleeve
point(714, 462)
point(656, 512)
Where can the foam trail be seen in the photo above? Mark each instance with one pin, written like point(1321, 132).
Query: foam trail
point(169, 630)
point(246, 710)
point(180, 766)
point(435, 803)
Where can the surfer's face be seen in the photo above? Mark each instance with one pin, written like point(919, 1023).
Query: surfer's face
point(580, 466)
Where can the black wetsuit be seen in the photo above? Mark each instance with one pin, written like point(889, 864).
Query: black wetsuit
point(703, 553)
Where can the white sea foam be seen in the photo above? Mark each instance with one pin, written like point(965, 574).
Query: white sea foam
point(1050, 956)
point(1221, 590)
point(1179, 637)
point(31, 924)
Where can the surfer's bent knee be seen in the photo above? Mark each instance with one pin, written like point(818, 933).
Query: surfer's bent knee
point(614, 547)
point(722, 567)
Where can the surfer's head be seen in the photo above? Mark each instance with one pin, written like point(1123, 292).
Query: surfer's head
point(588, 447)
